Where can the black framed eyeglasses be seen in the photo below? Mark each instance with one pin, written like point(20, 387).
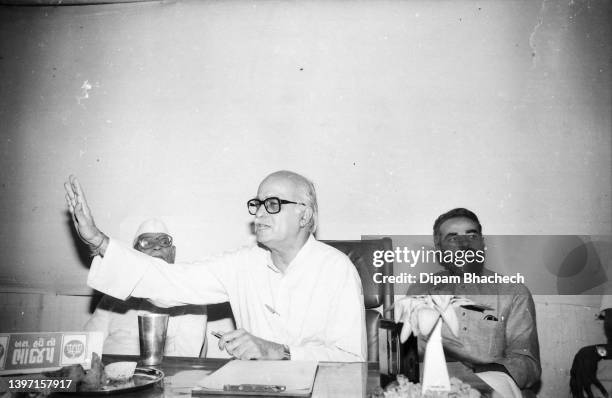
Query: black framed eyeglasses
point(272, 204)
point(147, 242)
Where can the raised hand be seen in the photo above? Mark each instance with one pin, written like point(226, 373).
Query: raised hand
point(82, 218)
point(243, 345)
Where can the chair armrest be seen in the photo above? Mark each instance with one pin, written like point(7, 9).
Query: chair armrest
point(388, 324)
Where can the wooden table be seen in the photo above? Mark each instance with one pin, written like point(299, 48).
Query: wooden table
point(334, 379)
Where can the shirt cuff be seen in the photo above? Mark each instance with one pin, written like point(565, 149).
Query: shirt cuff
point(298, 353)
point(491, 367)
point(114, 274)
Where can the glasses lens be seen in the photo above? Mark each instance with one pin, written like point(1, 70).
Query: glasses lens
point(273, 205)
point(164, 241)
point(149, 242)
point(253, 205)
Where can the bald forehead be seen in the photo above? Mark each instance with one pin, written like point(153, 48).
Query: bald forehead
point(277, 185)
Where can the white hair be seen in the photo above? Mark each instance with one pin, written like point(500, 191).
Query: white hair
point(306, 189)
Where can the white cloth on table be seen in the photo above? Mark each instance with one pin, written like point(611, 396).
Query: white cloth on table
point(315, 307)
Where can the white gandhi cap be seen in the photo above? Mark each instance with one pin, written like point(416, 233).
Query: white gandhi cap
point(151, 226)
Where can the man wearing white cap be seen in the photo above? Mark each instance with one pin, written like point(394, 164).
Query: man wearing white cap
point(119, 319)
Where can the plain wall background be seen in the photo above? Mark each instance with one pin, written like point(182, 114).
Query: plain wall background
point(398, 110)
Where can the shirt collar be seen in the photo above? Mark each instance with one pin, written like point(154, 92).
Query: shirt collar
point(303, 253)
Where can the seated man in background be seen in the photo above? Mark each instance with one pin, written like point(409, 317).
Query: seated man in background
point(292, 296)
point(588, 368)
point(186, 335)
point(500, 344)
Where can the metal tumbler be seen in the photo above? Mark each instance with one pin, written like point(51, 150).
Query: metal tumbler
point(152, 332)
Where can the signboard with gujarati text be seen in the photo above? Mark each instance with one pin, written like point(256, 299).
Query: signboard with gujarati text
point(38, 352)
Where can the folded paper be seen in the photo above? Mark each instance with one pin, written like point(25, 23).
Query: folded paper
point(295, 376)
point(425, 315)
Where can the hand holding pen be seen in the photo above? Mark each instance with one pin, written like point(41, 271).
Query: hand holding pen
point(243, 345)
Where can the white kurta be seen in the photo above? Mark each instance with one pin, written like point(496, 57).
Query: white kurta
point(315, 307)
point(118, 320)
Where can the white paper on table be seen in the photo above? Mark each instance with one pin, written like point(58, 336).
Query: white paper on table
point(294, 375)
point(435, 372)
point(186, 378)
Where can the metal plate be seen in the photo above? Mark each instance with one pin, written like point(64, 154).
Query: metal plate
point(143, 378)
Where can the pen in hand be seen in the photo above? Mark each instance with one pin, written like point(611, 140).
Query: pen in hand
point(219, 335)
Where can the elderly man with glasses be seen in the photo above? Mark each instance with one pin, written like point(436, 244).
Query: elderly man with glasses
point(118, 319)
point(292, 296)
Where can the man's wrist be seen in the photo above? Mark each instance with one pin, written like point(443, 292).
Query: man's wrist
point(100, 248)
point(491, 367)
